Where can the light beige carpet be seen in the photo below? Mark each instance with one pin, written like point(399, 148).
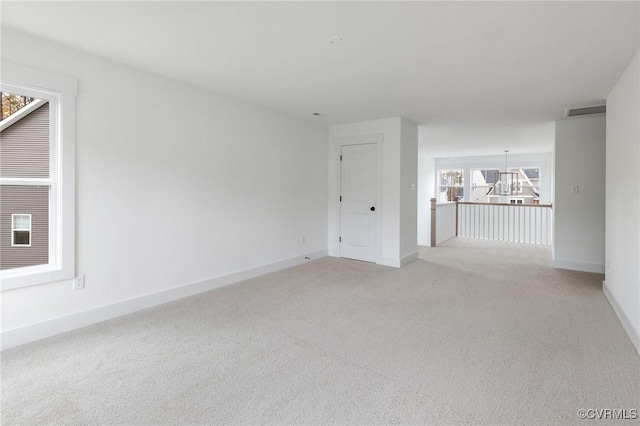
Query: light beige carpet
point(472, 333)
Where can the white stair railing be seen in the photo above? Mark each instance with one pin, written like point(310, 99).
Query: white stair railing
point(523, 223)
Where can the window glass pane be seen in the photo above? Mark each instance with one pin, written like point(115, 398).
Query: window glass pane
point(452, 178)
point(21, 237)
point(529, 182)
point(451, 193)
point(22, 222)
point(22, 200)
point(482, 184)
point(490, 176)
point(451, 185)
point(24, 151)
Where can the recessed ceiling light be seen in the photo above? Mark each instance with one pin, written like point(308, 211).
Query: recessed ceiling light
point(336, 39)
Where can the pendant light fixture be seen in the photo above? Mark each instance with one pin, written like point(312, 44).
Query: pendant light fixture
point(507, 184)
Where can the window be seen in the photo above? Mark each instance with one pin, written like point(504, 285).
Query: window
point(451, 185)
point(483, 184)
point(525, 188)
point(529, 179)
point(36, 177)
point(528, 182)
point(21, 230)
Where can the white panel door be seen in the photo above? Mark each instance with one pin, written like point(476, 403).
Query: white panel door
point(358, 205)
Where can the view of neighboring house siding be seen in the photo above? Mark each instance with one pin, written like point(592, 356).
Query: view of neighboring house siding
point(33, 200)
point(25, 146)
point(24, 153)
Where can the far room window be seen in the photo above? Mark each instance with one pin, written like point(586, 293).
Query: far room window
point(483, 183)
point(21, 228)
point(36, 177)
point(528, 183)
point(451, 185)
point(526, 187)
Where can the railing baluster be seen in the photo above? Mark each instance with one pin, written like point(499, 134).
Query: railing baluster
point(472, 227)
point(502, 222)
point(520, 225)
point(486, 222)
point(532, 239)
point(530, 222)
point(496, 211)
point(525, 225)
point(512, 227)
point(538, 228)
point(515, 225)
point(550, 225)
point(516, 213)
point(493, 222)
point(473, 222)
point(468, 212)
point(463, 223)
point(544, 229)
point(481, 221)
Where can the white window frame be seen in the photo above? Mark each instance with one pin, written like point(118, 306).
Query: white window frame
point(13, 229)
point(61, 93)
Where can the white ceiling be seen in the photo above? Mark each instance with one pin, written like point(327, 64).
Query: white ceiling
point(483, 75)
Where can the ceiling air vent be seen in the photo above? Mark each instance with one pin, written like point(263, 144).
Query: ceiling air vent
point(573, 112)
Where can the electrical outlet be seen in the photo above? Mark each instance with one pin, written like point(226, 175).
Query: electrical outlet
point(303, 239)
point(78, 282)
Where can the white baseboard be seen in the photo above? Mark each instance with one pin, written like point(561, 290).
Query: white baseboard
point(628, 326)
point(578, 266)
point(409, 258)
point(398, 263)
point(31, 333)
point(388, 261)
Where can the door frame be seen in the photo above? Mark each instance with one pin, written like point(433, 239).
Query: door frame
point(375, 138)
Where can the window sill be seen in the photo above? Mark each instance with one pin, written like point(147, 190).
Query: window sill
point(33, 275)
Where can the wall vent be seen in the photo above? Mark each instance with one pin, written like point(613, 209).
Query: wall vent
point(599, 109)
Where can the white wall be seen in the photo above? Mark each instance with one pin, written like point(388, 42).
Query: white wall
point(426, 185)
point(175, 185)
point(445, 222)
point(390, 204)
point(579, 217)
point(408, 189)
point(622, 275)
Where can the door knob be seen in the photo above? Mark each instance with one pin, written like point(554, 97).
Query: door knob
point(373, 209)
